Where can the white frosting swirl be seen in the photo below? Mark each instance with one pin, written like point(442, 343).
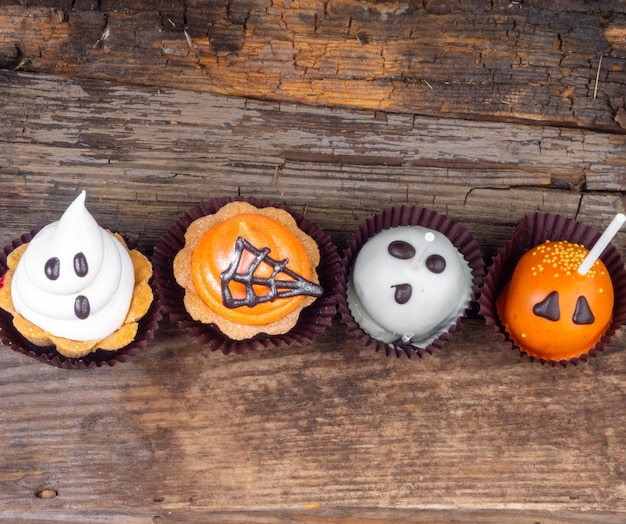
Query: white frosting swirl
point(75, 280)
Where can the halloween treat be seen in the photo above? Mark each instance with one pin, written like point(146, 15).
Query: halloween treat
point(549, 309)
point(554, 298)
point(251, 274)
point(247, 270)
point(407, 283)
point(76, 286)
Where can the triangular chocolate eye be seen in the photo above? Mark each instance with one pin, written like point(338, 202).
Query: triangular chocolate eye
point(549, 307)
point(582, 313)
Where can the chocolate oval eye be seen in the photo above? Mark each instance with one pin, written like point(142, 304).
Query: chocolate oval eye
point(52, 268)
point(403, 293)
point(401, 249)
point(81, 307)
point(436, 264)
point(80, 265)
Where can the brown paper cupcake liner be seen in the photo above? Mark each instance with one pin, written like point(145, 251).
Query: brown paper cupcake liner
point(313, 320)
point(11, 337)
point(534, 229)
point(409, 216)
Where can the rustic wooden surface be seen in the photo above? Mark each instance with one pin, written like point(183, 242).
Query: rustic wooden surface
point(506, 59)
point(337, 109)
point(153, 152)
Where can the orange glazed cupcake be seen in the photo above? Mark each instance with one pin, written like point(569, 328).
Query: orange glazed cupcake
point(550, 310)
point(248, 271)
point(536, 297)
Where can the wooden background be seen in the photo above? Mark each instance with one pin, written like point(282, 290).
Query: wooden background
point(481, 110)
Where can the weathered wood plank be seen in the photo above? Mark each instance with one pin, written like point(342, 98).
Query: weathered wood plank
point(320, 429)
point(560, 62)
point(146, 155)
point(326, 431)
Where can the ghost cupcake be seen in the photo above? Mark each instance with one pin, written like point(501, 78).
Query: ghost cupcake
point(410, 275)
point(74, 295)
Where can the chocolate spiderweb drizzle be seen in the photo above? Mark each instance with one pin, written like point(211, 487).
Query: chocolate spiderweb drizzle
point(288, 288)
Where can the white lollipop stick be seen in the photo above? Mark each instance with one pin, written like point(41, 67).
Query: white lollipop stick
point(602, 242)
point(428, 238)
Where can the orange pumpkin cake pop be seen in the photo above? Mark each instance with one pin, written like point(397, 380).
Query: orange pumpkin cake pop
point(248, 270)
point(551, 310)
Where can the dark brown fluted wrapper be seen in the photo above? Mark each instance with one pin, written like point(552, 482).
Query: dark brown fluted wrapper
point(535, 229)
point(147, 327)
point(409, 216)
point(313, 320)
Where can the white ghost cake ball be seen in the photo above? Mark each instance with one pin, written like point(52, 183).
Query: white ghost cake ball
point(75, 280)
point(408, 283)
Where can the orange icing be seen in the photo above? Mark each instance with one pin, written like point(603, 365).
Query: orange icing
point(212, 256)
point(550, 267)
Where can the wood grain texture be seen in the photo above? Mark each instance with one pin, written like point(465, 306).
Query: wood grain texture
point(484, 111)
point(557, 62)
point(320, 430)
point(326, 431)
point(145, 155)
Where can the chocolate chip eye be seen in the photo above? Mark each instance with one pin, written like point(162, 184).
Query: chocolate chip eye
point(403, 293)
point(549, 307)
point(436, 264)
point(81, 307)
point(401, 249)
point(582, 313)
point(80, 265)
point(52, 268)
